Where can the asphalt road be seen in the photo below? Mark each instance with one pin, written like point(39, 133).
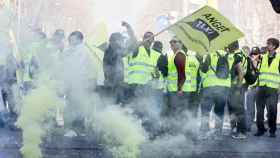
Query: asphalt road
point(82, 147)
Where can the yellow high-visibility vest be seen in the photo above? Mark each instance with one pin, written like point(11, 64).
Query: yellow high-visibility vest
point(210, 78)
point(191, 71)
point(269, 74)
point(142, 67)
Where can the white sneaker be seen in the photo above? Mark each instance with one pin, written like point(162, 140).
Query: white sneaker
point(71, 134)
point(239, 136)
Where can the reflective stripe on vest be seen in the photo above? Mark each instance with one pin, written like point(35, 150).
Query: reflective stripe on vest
point(191, 70)
point(210, 79)
point(141, 67)
point(269, 75)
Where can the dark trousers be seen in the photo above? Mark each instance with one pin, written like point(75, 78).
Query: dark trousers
point(237, 108)
point(267, 97)
point(124, 93)
point(192, 103)
point(217, 97)
point(179, 104)
point(181, 112)
point(146, 104)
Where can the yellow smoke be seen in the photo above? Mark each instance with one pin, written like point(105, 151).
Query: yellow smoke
point(37, 108)
point(122, 133)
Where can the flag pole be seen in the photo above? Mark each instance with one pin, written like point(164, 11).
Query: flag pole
point(19, 5)
point(167, 28)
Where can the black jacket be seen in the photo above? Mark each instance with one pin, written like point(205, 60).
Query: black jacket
point(113, 66)
point(162, 65)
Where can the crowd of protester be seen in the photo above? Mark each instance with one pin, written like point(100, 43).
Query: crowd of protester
point(161, 85)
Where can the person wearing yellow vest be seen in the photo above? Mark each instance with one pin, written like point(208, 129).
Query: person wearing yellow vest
point(143, 64)
point(267, 91)
point(176, 78)
point(216, 85)
point(237, 92)
point(182, 80)
point(142, 72)
point(190, 87)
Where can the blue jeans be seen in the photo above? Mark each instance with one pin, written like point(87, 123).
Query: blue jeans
point(217, 97)
point(250, 103)
point(237, 108)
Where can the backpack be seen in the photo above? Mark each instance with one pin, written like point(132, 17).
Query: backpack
point(222, 70)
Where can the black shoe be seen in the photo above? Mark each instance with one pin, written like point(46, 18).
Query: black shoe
point(272, 135)
point(259, 134)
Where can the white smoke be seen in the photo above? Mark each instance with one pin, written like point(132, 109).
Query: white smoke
point(120, 130)
point(128, 10)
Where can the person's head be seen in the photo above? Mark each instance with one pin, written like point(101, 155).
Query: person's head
point(58, 35)
point(272, 44)
point(158, 46)
point(175, 45)
point(42, 36)
point(263, 50)
point(148, 39)
point(233, 46)
point(116, 40)
point(255, 51)
point(75, 38)
point(39, 35)
point(246, 49)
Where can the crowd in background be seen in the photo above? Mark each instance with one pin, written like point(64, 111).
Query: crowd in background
point(240, 79)
point(158, 85)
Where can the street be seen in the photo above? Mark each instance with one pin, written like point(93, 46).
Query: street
point(82, 147)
